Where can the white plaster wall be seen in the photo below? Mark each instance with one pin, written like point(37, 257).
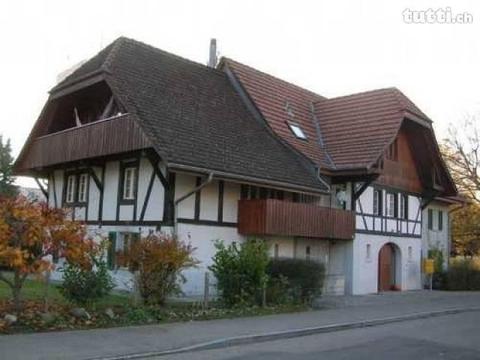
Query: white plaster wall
point(202, 238)
point(436, 238)
point(365, 270)
point(110, 190)
point(209, 202)
point(286, 246)
point(184, 184)
point(231, 195)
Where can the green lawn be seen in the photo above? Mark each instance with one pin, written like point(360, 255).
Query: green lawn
point(35, 290)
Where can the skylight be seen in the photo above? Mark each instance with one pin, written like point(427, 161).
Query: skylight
point(297, 131)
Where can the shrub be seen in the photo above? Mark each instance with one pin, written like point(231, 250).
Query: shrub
point(463, 275)
point(305, 278)
point(241, 271)
point(87, 285)
point(158, 261)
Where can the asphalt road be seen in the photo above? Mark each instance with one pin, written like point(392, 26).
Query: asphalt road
point(445, 337)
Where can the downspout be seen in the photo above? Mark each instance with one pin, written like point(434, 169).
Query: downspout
point(185, 196)
point(319, 177)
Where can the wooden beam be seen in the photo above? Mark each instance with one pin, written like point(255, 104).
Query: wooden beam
point(96, 179)
point(42, 188)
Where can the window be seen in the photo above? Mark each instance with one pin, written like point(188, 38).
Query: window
point(410, 253)
point(377, 202)
point(369, 252)
point(392, 151)
point(70, 193)
point(120, 248)
point(391, 205)
point(297, 131)
point(307, 252)
point(440, 220)
point(82, 188)
point(430, 219)
point(404, 206)
point(129, 183)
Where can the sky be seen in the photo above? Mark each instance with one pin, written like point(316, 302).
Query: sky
point(330, 47)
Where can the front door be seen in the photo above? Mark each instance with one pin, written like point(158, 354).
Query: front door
point(386, 268)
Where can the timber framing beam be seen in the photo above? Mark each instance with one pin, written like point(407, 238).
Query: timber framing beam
point(42, 187)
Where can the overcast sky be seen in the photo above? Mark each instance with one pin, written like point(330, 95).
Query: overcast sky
point(333, 48)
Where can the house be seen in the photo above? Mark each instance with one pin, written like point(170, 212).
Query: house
point(138, 140)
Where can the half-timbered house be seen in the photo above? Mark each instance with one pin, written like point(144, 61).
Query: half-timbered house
point(139, 140)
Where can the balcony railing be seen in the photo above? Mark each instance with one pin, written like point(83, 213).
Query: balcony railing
point(100, 138)
point(277, 217)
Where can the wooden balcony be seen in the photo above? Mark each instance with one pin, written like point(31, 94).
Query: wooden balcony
point(277, 217)
point(96, 139)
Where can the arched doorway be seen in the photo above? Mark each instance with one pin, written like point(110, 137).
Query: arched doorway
point(389, 268)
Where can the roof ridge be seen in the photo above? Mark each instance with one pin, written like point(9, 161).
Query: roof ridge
point(227, 59)
point(366, 92)
point(167, 53)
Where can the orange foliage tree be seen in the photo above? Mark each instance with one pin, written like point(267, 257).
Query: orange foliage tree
point(159, 260)
point(29, 233)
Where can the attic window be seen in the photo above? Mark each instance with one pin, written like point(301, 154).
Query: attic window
point(297, 131)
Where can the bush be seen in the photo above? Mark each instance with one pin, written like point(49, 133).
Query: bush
point(158, 261)
point(463, 275)
point(240, 271)
point(86, 285)
point(305, 278)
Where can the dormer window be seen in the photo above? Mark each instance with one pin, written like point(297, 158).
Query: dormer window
point(297, 131)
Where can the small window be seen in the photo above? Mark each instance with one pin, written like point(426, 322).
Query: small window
point(377, 202)
point(70, 193)
point(440, 220)
point(129, 183)
point(297, 131)
point(430, 219)
point(369, 252)
point(404, 206)
point(391, 205)
point(82, 188)
point(392, 151)
point(307, 252)
point(410, 253)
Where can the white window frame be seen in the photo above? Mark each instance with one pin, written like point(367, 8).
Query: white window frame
point(129, 183)
point(82, 187)
point(377, 198)
point(70, 191)
point(297, 131)
point(391, 204)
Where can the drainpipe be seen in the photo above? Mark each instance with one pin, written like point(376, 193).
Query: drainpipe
point(319, 177)
point(185, 196)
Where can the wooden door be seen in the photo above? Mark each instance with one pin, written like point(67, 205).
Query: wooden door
point(386, 268)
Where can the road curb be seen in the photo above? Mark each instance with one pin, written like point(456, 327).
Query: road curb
point(287, 334)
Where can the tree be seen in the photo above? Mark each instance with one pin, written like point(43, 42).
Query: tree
point(29, 233)
point(466, 231)
point(158, 261)
point(6, 169)
point(461, 151)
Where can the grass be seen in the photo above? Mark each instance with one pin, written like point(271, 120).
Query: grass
point(34, 290)
point(126, 312)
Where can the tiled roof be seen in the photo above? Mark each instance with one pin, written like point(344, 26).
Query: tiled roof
point(272, 96)
point(357, 128)
point(194, 116)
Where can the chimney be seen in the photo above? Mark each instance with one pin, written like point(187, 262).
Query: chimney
point(212, 60)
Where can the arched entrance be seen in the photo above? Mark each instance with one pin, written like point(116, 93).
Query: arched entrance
point(389, 268)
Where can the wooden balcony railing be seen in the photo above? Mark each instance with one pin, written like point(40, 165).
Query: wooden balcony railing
point(277, 217)
point(100, 138)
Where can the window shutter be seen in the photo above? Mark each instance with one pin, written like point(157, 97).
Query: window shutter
point(112, 239)
point(430, 219)
point(440, 220)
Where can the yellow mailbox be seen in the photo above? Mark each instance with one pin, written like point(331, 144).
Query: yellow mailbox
point(428, 267)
